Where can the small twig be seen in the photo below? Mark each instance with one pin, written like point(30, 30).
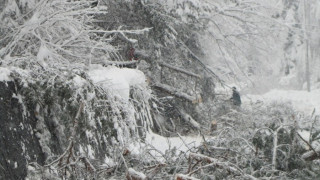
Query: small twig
point(184, 142)
point(312, 125)
point(202, 167)
point(154, 166)
point(190, 163)
point(2, 167)
point(124, 161)
point(198, 162)
point(156, 169)
point(106, 170)
point(61, 157)
point(88, 164)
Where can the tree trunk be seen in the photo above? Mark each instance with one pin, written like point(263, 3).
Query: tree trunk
point(307, 36)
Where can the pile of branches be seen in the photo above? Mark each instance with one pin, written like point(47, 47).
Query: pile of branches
point(58, 33)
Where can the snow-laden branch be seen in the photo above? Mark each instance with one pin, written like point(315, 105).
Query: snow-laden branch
point(215, 162)
point(139, 31)
point(135, 175)
point(311, 155)
point(180, 70)
point(63, 34)
point(189, 119)
point(177, 92)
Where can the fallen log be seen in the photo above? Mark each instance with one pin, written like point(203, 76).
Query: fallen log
point(189, 119)
point(180, 70)
point(176, 92)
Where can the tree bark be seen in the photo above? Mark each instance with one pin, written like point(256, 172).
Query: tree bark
point(307, 37)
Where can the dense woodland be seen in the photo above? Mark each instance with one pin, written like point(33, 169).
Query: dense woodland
point(84, 84)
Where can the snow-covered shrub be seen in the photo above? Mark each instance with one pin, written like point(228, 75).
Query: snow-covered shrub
point(106, 124)
point(261, 142)
point(58, 33)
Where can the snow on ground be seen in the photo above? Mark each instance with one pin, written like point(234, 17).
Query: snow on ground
point(301, 100)
point(163, 144)
point(118, 79)
point(158, 145)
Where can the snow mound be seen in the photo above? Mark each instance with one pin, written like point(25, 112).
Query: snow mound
point(5, 74)
point(118, 80)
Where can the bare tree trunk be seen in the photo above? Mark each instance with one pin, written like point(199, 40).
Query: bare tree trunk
point(275, 148)
point(307, 35)
point(308, 66)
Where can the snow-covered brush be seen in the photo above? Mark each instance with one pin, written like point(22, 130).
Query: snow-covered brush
point(120, 121)
point(60, 33)
point(53, 34)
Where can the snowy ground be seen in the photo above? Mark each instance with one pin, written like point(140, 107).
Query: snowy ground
point(183, 143)
point(302, 101)
point(158, 145)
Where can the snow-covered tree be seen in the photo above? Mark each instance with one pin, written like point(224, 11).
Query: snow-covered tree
point(91, 118)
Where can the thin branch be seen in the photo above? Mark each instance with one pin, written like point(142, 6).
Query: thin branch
point(309, 145)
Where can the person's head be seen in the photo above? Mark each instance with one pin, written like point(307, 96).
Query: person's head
point(234, 88)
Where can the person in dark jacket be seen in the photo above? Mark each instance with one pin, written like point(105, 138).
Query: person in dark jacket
point(236, 97)
point(133, 55)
